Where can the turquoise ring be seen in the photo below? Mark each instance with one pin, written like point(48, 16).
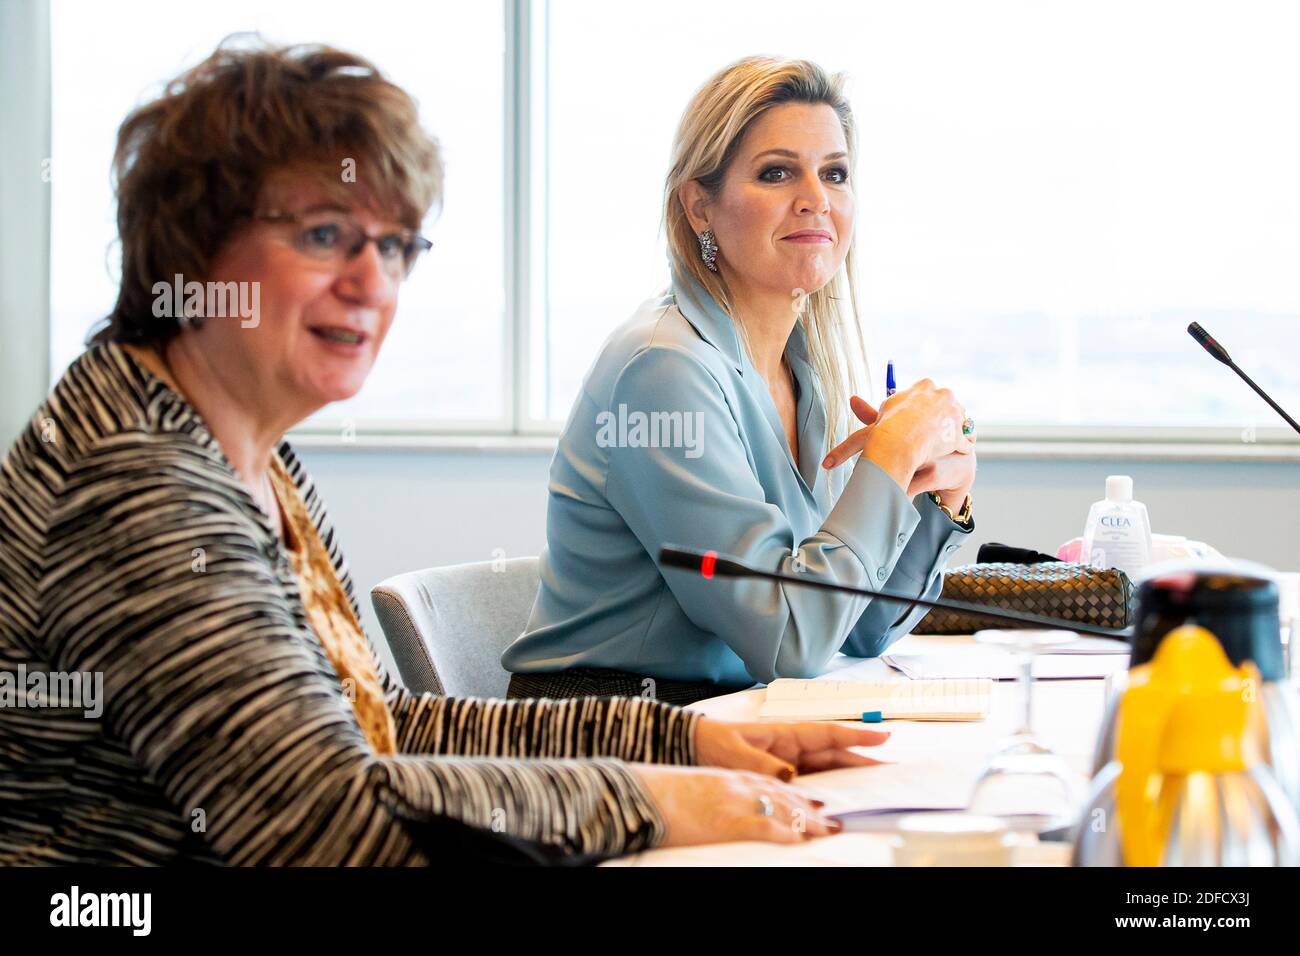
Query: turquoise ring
point(968, 427)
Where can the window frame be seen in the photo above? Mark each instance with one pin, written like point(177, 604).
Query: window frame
point(525, 316)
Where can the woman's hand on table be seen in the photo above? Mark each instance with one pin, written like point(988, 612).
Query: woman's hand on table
point(706, 805)
point(783, 749)
point(732, 802)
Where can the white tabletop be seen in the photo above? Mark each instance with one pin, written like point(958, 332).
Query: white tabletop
point(932, 762)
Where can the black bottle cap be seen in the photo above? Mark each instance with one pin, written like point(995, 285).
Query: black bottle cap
point(1240, 609)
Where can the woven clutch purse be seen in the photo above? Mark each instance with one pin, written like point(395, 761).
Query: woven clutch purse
point(1059, 589)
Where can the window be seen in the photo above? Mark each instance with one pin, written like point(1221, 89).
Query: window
point(1047, 192)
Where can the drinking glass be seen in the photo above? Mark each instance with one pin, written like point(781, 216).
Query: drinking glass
point(1024, 781)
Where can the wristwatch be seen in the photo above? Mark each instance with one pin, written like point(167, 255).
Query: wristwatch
point(962, 517)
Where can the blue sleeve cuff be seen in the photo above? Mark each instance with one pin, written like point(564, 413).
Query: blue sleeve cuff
point(875, 519)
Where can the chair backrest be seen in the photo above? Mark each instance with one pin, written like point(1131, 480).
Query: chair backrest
point(447, 627)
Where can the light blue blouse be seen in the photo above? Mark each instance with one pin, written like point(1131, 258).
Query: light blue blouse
point(675, 440)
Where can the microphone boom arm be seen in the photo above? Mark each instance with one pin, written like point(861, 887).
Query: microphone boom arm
point(1220, 354)
point(709, 564)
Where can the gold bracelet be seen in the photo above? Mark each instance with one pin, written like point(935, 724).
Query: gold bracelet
point(962, 517)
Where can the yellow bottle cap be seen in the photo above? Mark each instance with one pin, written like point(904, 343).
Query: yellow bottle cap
point(1190, 657)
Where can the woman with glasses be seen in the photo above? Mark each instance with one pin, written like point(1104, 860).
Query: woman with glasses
point(717, 417)
point(164, 543)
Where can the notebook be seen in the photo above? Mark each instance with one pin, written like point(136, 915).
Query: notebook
point(895, 699)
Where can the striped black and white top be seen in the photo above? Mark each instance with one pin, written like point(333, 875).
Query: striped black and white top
point(131, 552)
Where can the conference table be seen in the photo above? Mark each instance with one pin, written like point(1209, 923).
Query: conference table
point(928, 764)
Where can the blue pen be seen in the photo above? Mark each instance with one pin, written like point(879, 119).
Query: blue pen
point(890, 387)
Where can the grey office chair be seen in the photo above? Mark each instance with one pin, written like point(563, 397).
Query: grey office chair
point(448, 626)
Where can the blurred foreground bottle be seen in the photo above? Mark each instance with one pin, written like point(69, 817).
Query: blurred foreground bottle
point(1189, 785)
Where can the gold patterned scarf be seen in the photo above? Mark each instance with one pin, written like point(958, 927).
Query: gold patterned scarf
point(331, 614)
point(328, 609)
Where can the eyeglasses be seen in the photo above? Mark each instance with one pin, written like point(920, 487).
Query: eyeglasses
point(333, 238)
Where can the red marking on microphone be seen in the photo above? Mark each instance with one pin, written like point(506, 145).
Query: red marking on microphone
point(708, 562)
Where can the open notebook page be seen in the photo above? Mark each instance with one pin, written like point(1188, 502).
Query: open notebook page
point(895, 699)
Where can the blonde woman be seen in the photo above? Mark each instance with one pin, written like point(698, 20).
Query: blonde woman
point(715, 417)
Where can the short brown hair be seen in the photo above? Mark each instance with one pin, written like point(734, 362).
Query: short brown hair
point(191, 163)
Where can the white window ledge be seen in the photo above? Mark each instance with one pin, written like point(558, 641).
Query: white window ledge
point(989, 448)
point(424, 441)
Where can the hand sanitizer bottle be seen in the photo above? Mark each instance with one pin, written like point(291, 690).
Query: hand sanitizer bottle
point(1118, 533)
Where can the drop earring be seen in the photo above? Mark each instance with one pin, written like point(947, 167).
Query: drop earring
point(709, 249)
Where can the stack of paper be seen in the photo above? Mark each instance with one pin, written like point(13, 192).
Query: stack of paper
point(1089, 645)
point(894, 699)
point(995, 663)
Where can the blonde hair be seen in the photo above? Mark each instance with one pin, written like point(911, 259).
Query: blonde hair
point(710, 132)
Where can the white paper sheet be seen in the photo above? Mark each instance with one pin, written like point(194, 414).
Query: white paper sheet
point(917, 783)
point(997, 664)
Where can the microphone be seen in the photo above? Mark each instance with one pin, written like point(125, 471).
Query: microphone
point(1221, 354)
point(709, 564)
